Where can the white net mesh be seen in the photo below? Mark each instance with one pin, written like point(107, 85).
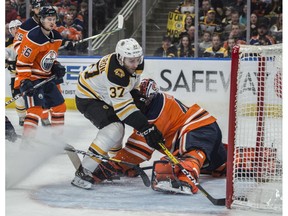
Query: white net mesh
point(257, 167)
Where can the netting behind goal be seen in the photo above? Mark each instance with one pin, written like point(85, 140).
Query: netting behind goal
point(254, 168)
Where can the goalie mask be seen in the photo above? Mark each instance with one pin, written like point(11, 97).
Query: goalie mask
point(128, 48)
point(149, 89)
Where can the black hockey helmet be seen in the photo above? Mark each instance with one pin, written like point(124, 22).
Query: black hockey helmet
point(46, 11)
point(38, 3)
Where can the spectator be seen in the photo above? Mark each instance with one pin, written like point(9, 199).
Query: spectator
point(209, 23)
point(230, 44)
point(185, 48)
point(243, 16)
point(253, 24)
point(218, 5)
point(63, 7)
point(237, 34)
point(276, 29)
point(216, 50)
point(274, 8)
point(238, 5)
point(83, 16)
point(227, 18)
point(258, 7)
point(166, 48)
point(20, 7)
point(10, 12)
point(189, 21)
point(77, 22)
point(186, 7)
point(190, 32)
point(234, 20)
point(68, 32)
point(262, 38)
point(204, 9)
point(205, 42)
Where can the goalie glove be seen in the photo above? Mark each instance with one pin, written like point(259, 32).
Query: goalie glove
point(58, 69)
point(153, 136)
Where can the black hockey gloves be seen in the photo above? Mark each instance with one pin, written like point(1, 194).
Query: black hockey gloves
point(139, 99)
point(58, 69)
point(27, 87)
point(153, 136)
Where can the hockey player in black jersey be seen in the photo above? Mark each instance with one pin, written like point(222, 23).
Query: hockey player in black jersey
point(104, 96)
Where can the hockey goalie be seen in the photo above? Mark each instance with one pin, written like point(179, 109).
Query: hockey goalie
point(190, 133)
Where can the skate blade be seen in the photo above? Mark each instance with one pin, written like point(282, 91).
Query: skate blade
point(166, 187)
point(78, 182)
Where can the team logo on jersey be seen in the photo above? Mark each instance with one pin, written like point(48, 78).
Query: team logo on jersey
point(48, 60)
point(119, 72)
point(105, 107)
point(40, 96)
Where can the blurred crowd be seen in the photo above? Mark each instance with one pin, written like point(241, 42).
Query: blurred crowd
point(73, 18)
point(222, 25)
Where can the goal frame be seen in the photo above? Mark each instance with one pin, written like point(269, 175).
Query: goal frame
point(260, 118)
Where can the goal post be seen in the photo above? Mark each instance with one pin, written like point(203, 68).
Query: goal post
point(254, 163)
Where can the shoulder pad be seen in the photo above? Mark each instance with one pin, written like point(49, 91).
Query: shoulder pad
point(29, 24)
point(36, 35)
point(116, 73)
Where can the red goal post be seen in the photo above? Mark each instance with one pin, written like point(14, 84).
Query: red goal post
point(254, 164)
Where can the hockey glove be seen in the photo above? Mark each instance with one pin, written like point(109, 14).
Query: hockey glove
point(139, 99)
point(69, 45)
point(58, 69)
point(153, 136)
point(27, 87)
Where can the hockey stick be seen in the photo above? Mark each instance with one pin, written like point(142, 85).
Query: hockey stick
point(25, 92)
point(142, 174)
point(120, 27)
point(220, 202)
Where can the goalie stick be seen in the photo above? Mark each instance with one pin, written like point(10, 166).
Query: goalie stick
point(76, 161)
point(119, 27)
point(24, 93)
point(220, 202)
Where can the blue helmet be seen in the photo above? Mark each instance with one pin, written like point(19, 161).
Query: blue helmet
point(38, 3)
point(46, 11)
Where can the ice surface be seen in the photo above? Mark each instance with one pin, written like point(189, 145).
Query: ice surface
point(38, 182)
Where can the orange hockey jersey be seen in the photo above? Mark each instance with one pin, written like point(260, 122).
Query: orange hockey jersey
point(37, 55)
point(22, 31)
point(173, 119)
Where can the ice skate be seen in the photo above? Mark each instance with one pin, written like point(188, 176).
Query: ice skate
point(83, 178)
point(45, 122)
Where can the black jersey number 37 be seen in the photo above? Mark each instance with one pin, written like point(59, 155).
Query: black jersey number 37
point(116, 92)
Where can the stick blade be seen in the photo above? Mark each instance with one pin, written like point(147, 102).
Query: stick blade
point(120, 21)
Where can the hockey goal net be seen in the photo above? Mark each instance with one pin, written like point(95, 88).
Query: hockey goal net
point(254, 167)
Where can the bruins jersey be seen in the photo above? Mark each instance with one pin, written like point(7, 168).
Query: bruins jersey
point(37, 55)
point(110, 82)
point(22, 31)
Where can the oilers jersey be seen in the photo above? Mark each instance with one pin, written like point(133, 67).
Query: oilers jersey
point(22, 31)
point(36, 55)
point(110, 82)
